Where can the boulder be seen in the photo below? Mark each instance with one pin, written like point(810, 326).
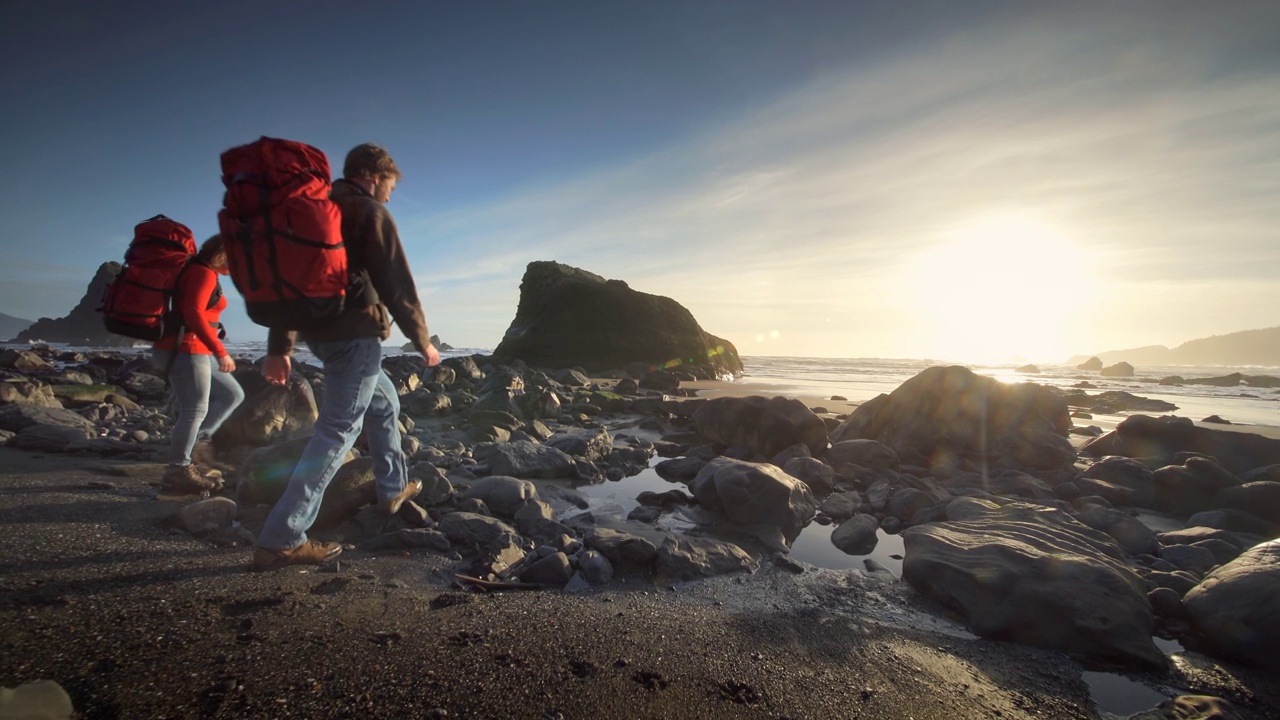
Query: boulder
point(1235, 610)
point(594, 445)
point(754, 493)
point(25, 392)
point(1126, 473)
point(1142, 436)
point(765, 426)
point(23, 361)
point(1033, 575)
point(272, 414)
point(205, 516)
point(569, 317)
point(51, 438)
point(266, 473)
point(524, 459)
point(503, 495)
point(472, 531)
point(948, 415)
point(857, 535)
point(624, 550)
point(690, 558)
point(1262, 498)
point(83, 325)
point(16, 418)
point(812, 472)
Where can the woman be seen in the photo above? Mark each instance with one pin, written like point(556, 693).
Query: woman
point(200, 370)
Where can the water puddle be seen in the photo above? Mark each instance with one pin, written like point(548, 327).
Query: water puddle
point(813, 546)
point(1118, 697)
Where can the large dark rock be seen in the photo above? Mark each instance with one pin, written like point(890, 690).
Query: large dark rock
point(766, 426)
point(83, 325)
point(947, 415)
point(1033, 575)
point(1141, 436)
point(1235, 610)
point(269, 415)
point(569, 317)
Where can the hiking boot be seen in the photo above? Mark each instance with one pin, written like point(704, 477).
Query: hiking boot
point(308, 553)
point(410, 491)
point(186, 479)
point(204, 455)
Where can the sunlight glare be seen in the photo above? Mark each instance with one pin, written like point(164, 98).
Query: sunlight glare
point(997, 289)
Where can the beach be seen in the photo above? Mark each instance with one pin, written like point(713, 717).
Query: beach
point(134, 618)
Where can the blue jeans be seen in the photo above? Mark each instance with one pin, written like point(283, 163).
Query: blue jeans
point(206, 398)
point(357, 395)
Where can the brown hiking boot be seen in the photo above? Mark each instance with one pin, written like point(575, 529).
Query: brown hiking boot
point(204, 455)
point(308, 553)
point(410, 491)
point(187, 479)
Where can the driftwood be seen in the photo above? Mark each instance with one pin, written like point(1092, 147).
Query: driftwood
point(491, 585)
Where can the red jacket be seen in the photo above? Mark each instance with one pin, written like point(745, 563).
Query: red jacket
point(196, 287)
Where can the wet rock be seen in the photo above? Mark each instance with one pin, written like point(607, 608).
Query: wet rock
point(751, 493)
point(1235, 610)
point(1126, 530)
point(592, 444)
point(502, 494)
point(765, 426)
point(436, 488)
point(553, 570)
point(472, 530)
point(529, 460)
point(842, 505)
point(870, 454)
point(812, 472)
point(690, 558)
point(681, 469)
point(623, 549)
point(856, 535)
point(596, 569)
point(1024, 573)
point(1141, 436)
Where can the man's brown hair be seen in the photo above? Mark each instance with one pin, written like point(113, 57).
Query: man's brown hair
point(369, 160)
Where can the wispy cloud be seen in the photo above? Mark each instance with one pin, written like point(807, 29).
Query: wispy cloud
point(1163, 171)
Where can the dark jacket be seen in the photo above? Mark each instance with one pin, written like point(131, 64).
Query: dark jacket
point(373, 246)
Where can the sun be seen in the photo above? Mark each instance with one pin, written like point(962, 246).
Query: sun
point(998, 289)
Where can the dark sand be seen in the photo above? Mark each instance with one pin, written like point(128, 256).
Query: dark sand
point(137, 621)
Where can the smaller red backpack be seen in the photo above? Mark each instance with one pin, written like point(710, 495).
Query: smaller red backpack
point(139, 302)
point(283, 234)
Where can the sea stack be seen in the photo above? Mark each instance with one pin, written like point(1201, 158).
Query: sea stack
point(83, 325)
point(570, 317)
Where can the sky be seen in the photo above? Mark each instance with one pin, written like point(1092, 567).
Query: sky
point(968, 181)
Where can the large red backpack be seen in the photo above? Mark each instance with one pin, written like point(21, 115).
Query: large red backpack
point(139, 302)
point(283, 234)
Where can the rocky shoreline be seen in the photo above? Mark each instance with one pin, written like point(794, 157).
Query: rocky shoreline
point(1011, 531)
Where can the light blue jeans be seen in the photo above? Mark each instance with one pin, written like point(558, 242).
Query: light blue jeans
point(357, 395)
point(206, 398)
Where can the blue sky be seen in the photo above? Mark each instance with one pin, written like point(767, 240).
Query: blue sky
point(972, 180)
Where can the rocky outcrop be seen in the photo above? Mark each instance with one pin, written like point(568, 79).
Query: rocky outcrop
point(83, 325)
point(1142, 436)
point(569, 317)
point(1120, 369)
point(1235, 610)
point(1092, 363)
point(1036, 576)
point(949, 415)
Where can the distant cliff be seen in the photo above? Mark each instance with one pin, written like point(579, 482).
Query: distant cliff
point(1248, 347)
point(83, 325)
point(11, 326)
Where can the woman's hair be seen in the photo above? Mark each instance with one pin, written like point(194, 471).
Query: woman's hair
point(212, 248)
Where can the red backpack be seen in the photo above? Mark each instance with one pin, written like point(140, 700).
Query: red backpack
point(283, 234)
point(139, 302)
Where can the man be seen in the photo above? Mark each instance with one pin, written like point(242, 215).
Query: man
point(357, 393)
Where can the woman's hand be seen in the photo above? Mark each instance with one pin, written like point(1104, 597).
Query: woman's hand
point(226, 364)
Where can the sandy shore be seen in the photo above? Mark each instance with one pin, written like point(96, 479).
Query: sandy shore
point(137, 621)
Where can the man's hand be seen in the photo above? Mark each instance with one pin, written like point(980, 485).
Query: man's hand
point(431, 357)
point(276, 368)
point(226, 364)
